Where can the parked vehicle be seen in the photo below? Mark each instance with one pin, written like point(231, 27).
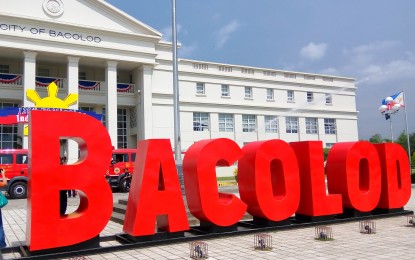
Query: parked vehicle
point(15, 162)
point(121, 167)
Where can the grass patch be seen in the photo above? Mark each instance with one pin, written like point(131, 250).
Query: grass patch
point(226, 178)
point(324, 239)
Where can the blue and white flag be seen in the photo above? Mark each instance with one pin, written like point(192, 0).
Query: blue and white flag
point(396, 99)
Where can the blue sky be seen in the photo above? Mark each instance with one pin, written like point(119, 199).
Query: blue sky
point(372, 41)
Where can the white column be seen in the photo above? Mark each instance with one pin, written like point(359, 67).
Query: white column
point(72, 77)
point(111, 106)
point(146, 103)
point(73, 80)
point(29, 82)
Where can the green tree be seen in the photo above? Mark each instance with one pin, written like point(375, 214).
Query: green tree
point(376, 139)
point(413, 160)
point(403, 141)
point(326, 153)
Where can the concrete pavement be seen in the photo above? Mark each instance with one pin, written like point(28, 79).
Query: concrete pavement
point(393, 239)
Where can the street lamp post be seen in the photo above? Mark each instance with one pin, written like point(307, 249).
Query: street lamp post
point(177, 137)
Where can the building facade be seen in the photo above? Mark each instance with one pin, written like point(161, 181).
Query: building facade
point(122, 69)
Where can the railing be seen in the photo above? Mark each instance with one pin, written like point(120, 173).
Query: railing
point(125, 88)
point(88, 85)
point(10, 79)
point(45, 81)
point(83, 85)
point(95, 86)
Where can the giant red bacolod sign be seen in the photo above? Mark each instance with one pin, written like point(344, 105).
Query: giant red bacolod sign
point(275, 180)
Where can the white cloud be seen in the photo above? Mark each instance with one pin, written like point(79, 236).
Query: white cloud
point(186, 51)
point(374, 47)
point(379, 63)
point(330, 71)
point(366, 54)
point(167, 32)
point(225, 32)
point(314, 51)
point(392, 71)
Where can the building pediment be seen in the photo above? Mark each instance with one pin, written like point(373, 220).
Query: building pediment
point(92, 14)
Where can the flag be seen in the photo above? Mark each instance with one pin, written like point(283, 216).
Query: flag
point(396, 99)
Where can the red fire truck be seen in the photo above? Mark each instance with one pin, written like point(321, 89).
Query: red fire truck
point(119, 173)
point(15, 163)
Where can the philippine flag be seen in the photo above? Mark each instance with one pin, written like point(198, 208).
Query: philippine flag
point(396, 99)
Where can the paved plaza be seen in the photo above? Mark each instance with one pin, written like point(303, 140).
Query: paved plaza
point(393, 240)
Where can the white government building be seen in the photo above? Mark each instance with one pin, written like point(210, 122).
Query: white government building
point(121, 68)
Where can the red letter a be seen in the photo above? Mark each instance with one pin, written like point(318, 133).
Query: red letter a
point(45, 227)
point(155, 194)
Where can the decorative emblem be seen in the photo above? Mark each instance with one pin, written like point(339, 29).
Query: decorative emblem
point(53, 7)
point(51, 101)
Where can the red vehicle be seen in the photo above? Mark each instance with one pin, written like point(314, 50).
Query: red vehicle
point(122, 165)
point(15, 162)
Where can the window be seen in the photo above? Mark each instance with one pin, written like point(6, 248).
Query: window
point(310, 97)
point(8, 133)
point(103, 119)
point(6, 158)
point(270, 94)
point(271, 124)
point(329, 99)
point(200, 121)
point(122, 128)
point(200, 66)
point(225, 90)
point(270, 73)
point(81, 75)
point(120, 157)
point(248, 92)
point(43, 72)
point(4, 68)
point(291, 125)
point(290, 96)
point(200, 88)
point(248, 123)
point(225, 69)
point(329, 145)
point(89, 109)
point(330, 126)
point(248, 71)
point(226, 123)
point(290, 75)
point(22, 159)
point(133, 117)
point(311, 125)
point(327, 79)
point(309, 77)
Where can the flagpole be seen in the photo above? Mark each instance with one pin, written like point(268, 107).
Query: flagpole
point(390, 126)
point(407, 132)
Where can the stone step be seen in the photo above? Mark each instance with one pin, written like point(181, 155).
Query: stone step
point(118, 214)
point(119, 208)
